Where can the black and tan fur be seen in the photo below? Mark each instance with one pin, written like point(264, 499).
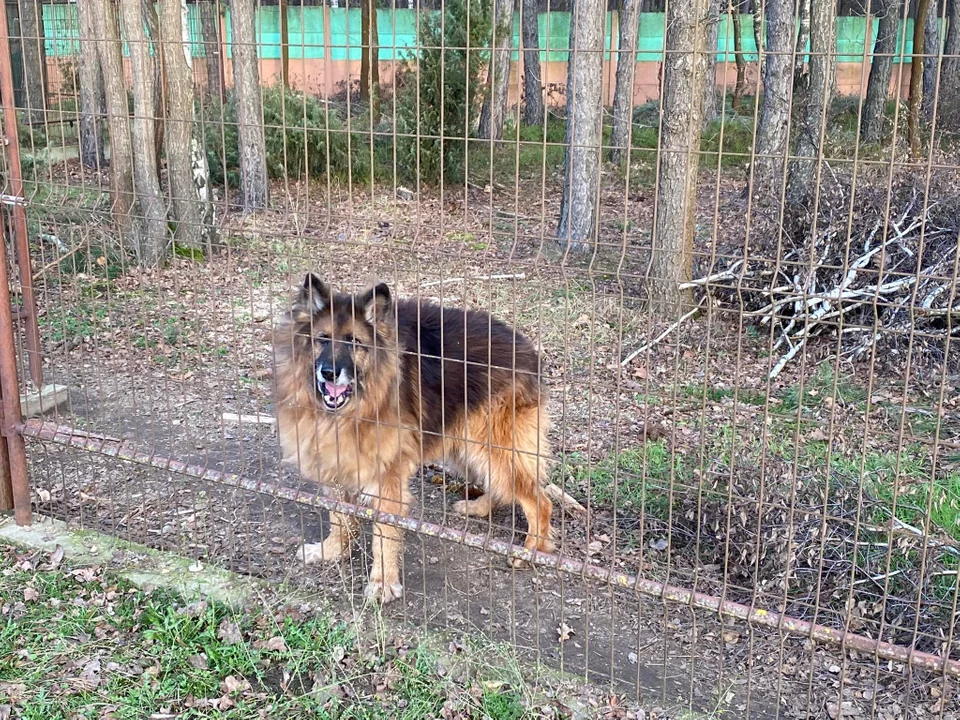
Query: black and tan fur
point(423, 384)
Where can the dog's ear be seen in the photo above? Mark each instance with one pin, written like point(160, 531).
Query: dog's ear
point(376, 304)
point(315, 295)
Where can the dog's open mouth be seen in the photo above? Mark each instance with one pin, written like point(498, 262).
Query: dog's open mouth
point(335, 396)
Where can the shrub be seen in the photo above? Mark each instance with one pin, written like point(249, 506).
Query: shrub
point(439, 93)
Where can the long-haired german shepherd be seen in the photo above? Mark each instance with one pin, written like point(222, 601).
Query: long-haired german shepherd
point(369, 389)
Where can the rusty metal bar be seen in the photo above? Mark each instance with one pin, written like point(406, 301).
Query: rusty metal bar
point(22, 240)
point(10, 390)
point(6, 480)
point(122, 450)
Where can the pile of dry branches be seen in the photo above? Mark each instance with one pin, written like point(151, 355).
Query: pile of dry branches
point(878, 266)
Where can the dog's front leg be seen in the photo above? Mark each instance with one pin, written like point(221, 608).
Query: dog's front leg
point(385, 583)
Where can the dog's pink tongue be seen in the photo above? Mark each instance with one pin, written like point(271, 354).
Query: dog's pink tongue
point(335, 390)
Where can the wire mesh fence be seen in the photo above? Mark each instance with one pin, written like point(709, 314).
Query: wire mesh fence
point(701, 324)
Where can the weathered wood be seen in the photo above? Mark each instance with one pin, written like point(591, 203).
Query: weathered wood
point(881, 69)
point(494, 110)
point(626, 72)
point(532, 84)
point(254, 186)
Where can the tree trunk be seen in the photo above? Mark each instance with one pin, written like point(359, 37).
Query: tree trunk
point(370, 59)
point(494, 110)
point(948, 104)
point(34, 59)
point(916, 78)
point(803, 38)
point(578, 209)
point(153, 238)
point(186, 162)
point(711, 105)
point(626, 73)
point(149, 10)
point(210, 32)
point(285, 43)
point(773, 127)
point(931, 66)
point(758, 36)
point(741, 85)
point(881, 69)
point(532, 84)
point(92, 100)
point(817, 96)
point(107, 33)
point(684, 73)
point(254, 188)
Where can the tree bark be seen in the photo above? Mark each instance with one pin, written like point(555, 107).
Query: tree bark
point(210, 32)
point(92, 100)
point(149, 10)
point(578, 209)
point(626, 72)
point(494, 110)
point(711, 104)
point(773, 128)
point(107, 33)
point(152, 240)
point(741, 63)
point(285, 42)
point(186, 162)
point(758, 36)
point(881, 69)
point(817, 94)
point(34, 59)
point(684, 74)
point(370, 59)
point(532, 84)
point(948, 104)
point(803, 38)
point(931, 65)
point(917, 65)
point(254, 187)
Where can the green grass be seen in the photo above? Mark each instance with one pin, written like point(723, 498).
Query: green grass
point(84, 644)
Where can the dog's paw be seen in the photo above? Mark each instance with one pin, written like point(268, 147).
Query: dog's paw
point(327, 551)
point(385, 593)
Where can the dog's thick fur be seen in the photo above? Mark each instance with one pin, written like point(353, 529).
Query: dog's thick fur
point(422, 384)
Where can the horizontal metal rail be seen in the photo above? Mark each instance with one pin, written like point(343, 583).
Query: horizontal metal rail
point(123, 450)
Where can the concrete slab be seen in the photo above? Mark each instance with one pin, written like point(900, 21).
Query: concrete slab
point(44, 400)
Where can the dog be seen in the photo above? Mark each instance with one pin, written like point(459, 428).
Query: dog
point(369, 389)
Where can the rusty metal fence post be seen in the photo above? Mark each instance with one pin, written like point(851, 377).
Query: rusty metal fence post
point(14, 482)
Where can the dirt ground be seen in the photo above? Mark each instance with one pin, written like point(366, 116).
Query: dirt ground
point(158, 357)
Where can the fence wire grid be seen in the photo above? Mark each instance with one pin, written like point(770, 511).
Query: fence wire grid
point(735, 256)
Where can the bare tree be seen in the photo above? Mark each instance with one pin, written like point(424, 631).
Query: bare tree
point(758, 36)
point(917, 64)
point(532, 85)
point(931, 66)
point(738, 57)
point(494, 110)
point(285, 41)
point(948, 104)
point(626, 70)
point(254, 188)
point(151, 237)
point(803, 39)
point(34, 58)
point(186, 161)
point(107, 34)
point(210, 32)
point(92, 100)
point(684, 73)
point(711, 104)
point(773, 128)
point(881, 69)
point(578, 209)
point(370, 59)
point(817, 91)
point(149, 10)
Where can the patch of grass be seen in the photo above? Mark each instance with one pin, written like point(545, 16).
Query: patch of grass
point(63, 323)
point(715, 394)
point(634, 479)
point(821, 386)
point(85, 644)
